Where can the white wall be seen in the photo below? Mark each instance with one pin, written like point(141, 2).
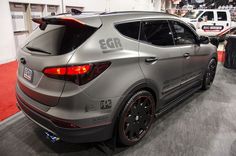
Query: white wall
point(89, 5)
point(7, 44)
point(131, 5)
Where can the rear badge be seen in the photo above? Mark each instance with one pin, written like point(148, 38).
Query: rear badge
point(28, 74)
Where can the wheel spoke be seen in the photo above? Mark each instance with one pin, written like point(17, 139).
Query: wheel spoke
point(130, 134)
point(129, 119)
point(134, 111)
point(146, 101)
point(144, 127)
point(137, 135)
point(139, 101)
point(128, 128)
point(147, 118)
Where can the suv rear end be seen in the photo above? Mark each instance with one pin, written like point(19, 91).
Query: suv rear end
point(67, 69)
point(44, 70)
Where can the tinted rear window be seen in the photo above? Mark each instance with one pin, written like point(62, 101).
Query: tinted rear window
point(129, 29)
point(58, 39)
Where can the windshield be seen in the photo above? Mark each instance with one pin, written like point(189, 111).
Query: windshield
point(192, 14)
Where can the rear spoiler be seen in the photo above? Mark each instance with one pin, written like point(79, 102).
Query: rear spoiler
point(93, 21)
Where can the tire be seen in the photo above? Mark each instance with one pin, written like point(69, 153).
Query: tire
point(136, 118)
point(210, 74)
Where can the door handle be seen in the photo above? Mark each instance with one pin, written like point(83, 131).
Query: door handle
point(151, 59)
point(186, 55)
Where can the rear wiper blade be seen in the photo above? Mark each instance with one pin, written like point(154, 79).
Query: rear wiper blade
point(38, 50)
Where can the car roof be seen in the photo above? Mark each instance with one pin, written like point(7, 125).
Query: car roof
point(126, 15)
point(96, 19)
point(133, 12)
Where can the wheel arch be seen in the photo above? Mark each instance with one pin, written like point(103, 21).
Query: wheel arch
point(143, 85)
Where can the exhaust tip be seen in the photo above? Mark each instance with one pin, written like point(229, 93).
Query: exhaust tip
point(53, 138)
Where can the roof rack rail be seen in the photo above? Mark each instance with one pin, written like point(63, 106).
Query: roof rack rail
point(120, 12)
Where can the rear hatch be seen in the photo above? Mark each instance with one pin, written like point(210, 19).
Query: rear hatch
point(52, 44)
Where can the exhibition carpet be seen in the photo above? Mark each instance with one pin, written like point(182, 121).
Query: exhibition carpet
point(7, 90)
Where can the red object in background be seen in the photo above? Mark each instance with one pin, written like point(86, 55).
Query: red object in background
point(7, 90)
point(221, 56)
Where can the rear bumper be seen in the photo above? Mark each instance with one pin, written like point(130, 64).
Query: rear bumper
point(74, 135)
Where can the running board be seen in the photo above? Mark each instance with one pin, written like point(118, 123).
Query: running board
point(177, 101)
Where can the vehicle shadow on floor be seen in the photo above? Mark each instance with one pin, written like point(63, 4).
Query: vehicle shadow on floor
point(63, 148)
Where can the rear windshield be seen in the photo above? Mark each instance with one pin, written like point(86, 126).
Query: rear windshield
point(57, 39)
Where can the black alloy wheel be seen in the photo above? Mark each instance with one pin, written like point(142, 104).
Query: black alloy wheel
point(210, 74)
point(136, 118)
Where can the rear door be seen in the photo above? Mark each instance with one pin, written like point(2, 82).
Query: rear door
point(52, 45)
point(160, 61)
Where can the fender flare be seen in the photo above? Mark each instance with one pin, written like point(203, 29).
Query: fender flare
point(128, 94)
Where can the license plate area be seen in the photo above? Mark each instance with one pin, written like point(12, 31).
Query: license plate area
point(28, 74)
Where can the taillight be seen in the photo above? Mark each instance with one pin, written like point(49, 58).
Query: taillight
point(78, 70)
point(55, 71)
point(80, 74)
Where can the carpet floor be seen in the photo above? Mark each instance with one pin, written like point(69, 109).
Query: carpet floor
point(7, 90)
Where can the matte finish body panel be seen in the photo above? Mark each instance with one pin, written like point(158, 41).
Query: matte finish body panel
point(167, 78)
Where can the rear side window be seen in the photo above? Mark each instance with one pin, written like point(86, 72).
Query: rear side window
point(221, 16)
point(208, 16)
point(129, 29)
point(157, 33)
point(58, 39)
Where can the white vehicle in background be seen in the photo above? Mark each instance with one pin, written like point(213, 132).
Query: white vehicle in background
point(209, 22)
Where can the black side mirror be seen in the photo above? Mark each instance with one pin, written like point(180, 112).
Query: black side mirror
point(204, 40)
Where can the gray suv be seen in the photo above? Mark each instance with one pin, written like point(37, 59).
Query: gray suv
point(91, 76)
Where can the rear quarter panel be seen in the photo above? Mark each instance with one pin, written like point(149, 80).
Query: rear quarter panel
point(123, 73)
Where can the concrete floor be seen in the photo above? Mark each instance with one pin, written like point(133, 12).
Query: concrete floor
point(204, 124)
